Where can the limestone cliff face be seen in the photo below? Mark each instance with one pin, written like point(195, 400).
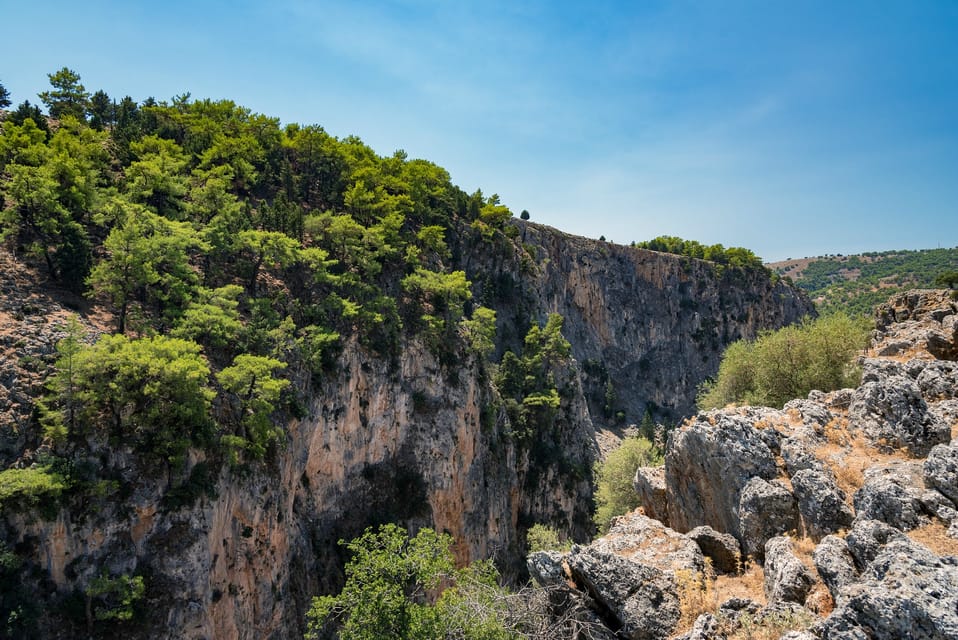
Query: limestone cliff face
point(652, 324)
point(409, 441)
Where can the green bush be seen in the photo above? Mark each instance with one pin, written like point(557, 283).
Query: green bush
point(544, 538)
point(788, 363)
point(614, 494)
point(389, 581)
point(29, 487)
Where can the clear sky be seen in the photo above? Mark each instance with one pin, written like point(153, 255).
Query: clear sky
point(791, 128)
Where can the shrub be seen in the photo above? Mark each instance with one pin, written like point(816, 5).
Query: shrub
point(544, 538)
point(29, 487)
point(614, 493)
point(788, 363)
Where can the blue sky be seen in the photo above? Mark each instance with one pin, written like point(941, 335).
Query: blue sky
point(791, 128)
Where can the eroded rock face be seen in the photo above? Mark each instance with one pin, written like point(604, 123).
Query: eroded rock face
point(836, 566)
point(786, 578)
point(821, 503)
point(708, 465)
point(646, 541)
point(722, 548)
point(893, 414)
point(919, 320)
point(905, 590)
point(766, 509)
point(642, 599)
point(940, 471)
point(893, 496)
point(649, 484)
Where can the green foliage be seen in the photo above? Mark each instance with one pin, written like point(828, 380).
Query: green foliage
point(254, 391)
point(544, 538)
point(614, 493)
point(212, 318)
point(389, 580)
point(733, 256)
point(115, 599)
point(4, 97)
point(30, 487)
point(856, 284)
point(150, 393)
point(947, 279)
point(480, 332)
point(786, 364)
point(67, 97)
point(528, 384)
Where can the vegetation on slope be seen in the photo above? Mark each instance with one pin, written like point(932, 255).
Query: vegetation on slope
point(615, 494)
point(731, 256)
point(788, 363)
point(855, 284)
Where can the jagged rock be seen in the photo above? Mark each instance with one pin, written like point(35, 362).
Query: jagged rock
point(734, 606)
point(935, 504)
point(906, 591)
point(821, 503)
point(642, 599)
point(798, 457)
point(766, 509)
point(945, 410)
point(875, 370)
point(707, 466)
point(706, 627)
point(545, 567)
point(867, 538)
point(812, 412)
point(649, 484)
point(918, 320)
point(940, 471)
point(938, 380)
point(798, 635)
point(722, 548)
point(649, 542)
point(835, 565)
point(838, 400)
point(892, 414)
point(892, 497)
point(787, 579)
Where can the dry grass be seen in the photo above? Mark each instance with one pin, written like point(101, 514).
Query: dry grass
point(935, 537)
point(848, 454)
point(750, 584)
point(697, 594)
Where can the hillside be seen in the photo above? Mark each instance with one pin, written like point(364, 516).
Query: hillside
point(229, 344)
point(858, 283)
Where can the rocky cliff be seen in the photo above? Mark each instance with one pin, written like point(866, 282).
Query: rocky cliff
point(834, 518)
point(411, 440)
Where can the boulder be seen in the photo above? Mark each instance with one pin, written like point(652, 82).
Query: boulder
point(938, 380)
point(798, 457)
point(706, 627)
point(891, 497)
point(787, 579)
point(722, 548)
point(945, 410)
point(867, 538)
point(835, 565)
point(545, 567)
point(707, 465)
point(766, 510)
point(906, 591)
point(940, 471)
point(649, 542)
point(643, 600)
point(812, 412)
point(821, 503)
point(892, 414)
point(649, 484)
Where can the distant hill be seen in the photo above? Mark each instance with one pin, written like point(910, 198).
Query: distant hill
point(857, 283)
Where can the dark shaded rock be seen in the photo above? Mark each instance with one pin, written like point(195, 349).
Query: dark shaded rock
point(821, 503)
point(643, 600)
point(649, 484)
point(736, 606)
point(707, 466)
point(766, 510)
point(945, 410)
point(906, 591)
point(892, 413)
point(545, 567)
point(646, 541)
point(940, 471)
point(939, 506)
point(836, 566)
point(722, 548)
point(787, 579)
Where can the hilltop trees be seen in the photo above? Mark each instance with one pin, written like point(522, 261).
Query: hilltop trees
point(4, 97)
point(68, 97)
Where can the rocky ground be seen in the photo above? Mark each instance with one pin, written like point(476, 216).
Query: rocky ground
point(833, 518)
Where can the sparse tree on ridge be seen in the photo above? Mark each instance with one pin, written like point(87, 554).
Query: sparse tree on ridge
point(4, 97)
point(68, 97)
